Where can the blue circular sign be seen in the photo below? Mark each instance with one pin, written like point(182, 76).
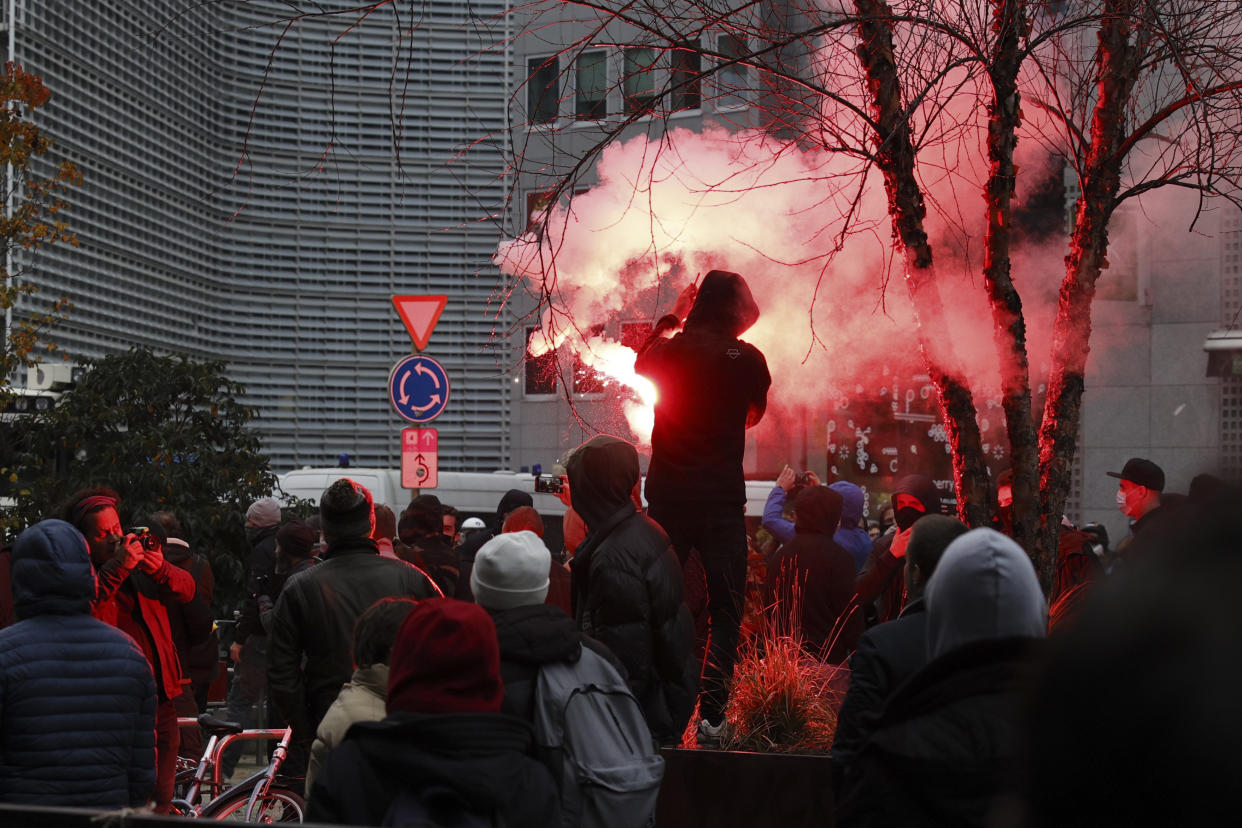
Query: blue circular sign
point(419, 388)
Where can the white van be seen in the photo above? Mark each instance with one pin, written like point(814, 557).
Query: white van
point(473, 494)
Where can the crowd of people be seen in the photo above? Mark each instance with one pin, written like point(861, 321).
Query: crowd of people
point(433, 670)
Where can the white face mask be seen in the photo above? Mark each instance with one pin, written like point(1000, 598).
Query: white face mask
point(1121, 500)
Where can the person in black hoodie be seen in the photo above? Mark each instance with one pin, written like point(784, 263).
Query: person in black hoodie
point(712, 387)
point(445, 751)
point(813, 575)
point(889, 653)
point(511, 500)
point(880, 586)
point(948, 740)
point(627, 585)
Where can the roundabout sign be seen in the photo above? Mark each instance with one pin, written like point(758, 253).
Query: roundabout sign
point(419, 388)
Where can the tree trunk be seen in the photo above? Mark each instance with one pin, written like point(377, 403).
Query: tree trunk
point(895, 157)
point(1118, 58)
point(1009, 325)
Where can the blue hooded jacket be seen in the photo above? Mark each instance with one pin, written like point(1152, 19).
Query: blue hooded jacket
point(850, 535)
point(77, 700)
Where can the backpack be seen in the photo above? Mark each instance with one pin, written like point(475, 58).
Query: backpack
point(602, 756)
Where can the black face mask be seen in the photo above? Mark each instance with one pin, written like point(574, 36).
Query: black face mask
point(906, 516)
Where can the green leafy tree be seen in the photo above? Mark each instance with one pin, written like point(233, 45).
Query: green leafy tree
point(168, 433)
point(35, 220)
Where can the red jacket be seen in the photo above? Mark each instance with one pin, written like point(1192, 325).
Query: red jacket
point(147, 590)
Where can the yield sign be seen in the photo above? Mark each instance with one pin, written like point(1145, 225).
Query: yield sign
point(420, 314)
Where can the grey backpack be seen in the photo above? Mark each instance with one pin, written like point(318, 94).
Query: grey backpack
point(588, 722)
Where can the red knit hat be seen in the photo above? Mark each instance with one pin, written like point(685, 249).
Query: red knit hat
point(445, 660)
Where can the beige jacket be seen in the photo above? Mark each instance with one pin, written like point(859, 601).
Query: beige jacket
point(361, 700)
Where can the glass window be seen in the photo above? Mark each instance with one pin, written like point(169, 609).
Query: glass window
point(536, 202)
point(542, 94)
point(685, 71)
point(639, 83)
point(591, 85)
point(733, 80)
point(540, 370)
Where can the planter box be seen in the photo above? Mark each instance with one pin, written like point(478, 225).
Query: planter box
point(723, 789)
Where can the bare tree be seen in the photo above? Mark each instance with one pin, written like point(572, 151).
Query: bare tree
point(1133, 95)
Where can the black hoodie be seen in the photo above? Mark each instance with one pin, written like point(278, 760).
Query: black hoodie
point(712, 387)
point(813, 575)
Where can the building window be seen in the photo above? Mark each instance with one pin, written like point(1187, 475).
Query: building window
point(733, 79)
point(685, 73)
point(542, 94)
point(639, 79)
point(591, 85)
point(541, 371)
point(536, 202)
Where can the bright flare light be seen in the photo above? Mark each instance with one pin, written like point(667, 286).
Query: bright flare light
point(616, 361)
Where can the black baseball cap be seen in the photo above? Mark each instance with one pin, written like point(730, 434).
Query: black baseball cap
point(1142, 472)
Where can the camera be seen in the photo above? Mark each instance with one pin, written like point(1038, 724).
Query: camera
point(143, 535)
point(802, 479)
point(549, 483)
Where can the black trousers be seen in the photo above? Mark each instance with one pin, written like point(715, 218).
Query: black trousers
point(719, 534)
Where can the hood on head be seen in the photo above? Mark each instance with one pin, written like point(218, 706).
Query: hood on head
point(818, 510)
point(984, 588)
point(602, 473)
point(724, 303)
point(513, 499)
point(921, 487)
point(851, 503)
point(51, 571)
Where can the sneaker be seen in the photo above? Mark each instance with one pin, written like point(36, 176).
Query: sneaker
point(710, 735)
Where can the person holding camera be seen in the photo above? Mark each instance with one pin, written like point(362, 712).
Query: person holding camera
point(133, 578)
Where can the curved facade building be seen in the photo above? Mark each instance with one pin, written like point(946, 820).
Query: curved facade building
point(256, 189)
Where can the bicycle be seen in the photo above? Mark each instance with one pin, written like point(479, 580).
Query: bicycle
point(260, 797)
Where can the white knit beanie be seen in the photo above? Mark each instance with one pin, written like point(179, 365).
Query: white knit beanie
point(511, 570)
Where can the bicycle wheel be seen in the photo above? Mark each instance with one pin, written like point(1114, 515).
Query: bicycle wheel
point(277, 805)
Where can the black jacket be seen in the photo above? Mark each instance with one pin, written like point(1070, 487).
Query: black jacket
point(814, 576)
point(712, 388)
point(946, 745)
point(308, 654)
point(193, 624)
point(477, 757)
point(887, 655)
point(880, 584)
point(628, 594)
